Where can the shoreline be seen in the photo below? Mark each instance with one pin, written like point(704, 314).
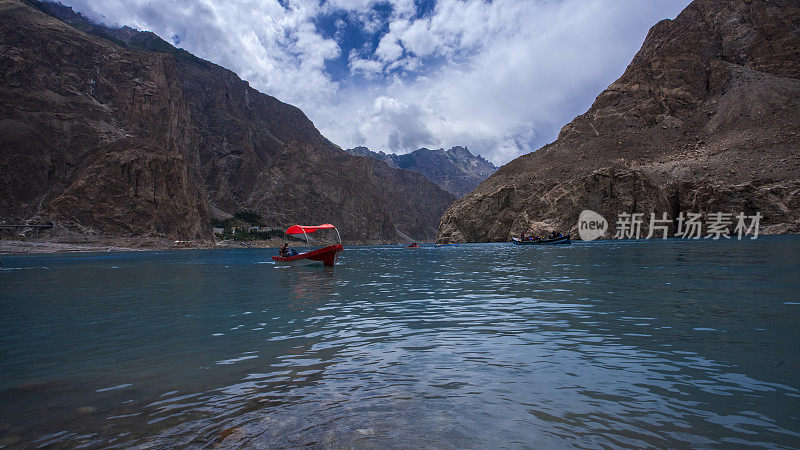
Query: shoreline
point(33, 246)
point(44, 245)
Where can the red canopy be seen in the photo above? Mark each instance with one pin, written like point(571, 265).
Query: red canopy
point(308, 229)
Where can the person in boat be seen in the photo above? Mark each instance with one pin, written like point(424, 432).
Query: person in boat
point(285, 250)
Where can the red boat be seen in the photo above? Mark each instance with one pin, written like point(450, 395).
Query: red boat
point(326, 256)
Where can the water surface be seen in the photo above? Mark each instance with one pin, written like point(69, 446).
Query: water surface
point(669, 344)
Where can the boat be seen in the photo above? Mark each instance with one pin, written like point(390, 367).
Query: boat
point(550, 241)
point(413, 245)
point(325, 256)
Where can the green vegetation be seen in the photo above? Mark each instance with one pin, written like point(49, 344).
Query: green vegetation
point(247, 226)
point(250, 217)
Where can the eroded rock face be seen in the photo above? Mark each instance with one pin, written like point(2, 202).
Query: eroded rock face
point(72, 106)
point(704, 119)
point(134, 189)
point(117, 132)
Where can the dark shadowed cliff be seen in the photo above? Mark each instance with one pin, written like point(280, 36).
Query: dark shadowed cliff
point(117, 132)
point(456, 170)
point(706, 118)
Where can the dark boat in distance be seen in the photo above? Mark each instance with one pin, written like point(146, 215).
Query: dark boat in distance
point(549, 241)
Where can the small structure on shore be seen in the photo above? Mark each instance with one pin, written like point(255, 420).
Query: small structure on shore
point(22, 227)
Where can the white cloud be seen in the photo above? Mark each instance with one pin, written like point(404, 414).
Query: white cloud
point(404, 124)
point(419, 39)
point(500, 77)
point(368, 68)
point(513, 72)
point(389, 49)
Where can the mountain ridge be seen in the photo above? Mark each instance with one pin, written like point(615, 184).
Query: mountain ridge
point(455, 170)
point(153, 141)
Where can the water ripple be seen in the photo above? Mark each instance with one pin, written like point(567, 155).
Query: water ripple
point(614, 344)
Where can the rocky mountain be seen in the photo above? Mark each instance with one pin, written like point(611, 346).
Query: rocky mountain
point(456, 170)
point(116, 132)
point(706, 118)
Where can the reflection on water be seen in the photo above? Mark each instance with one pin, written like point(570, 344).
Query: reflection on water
point(604, 344)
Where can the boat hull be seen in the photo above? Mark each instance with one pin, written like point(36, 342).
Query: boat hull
point(557, 241)
point(325, 256)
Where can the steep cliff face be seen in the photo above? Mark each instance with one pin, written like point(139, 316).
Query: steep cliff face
point(133, 188)
point(117, 132)
point(72, 105)
point(456, 170)
point(367, 197)
point(704, 119)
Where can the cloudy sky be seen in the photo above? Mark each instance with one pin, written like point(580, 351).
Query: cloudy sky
point(500, 77)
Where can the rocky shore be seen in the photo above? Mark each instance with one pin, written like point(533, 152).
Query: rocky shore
point(120, 244)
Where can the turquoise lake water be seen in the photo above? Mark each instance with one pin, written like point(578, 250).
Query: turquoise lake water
point(648, 343)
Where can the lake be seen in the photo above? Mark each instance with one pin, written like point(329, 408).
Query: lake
point(614, 343)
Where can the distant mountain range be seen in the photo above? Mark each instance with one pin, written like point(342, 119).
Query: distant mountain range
point(456, 170)
point(116, 132)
